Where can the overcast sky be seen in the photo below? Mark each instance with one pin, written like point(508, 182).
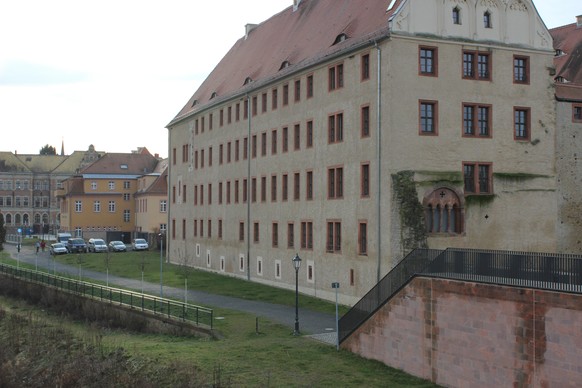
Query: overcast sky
point(113, 73)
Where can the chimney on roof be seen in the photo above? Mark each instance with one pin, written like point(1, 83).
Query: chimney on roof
point(578, 21)
point(296, 4)
point(248, 28)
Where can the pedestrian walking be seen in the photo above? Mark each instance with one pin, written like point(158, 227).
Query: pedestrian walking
point(37, 245)
point(42, 245)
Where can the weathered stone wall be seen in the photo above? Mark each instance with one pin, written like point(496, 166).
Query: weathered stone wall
point(461, 334)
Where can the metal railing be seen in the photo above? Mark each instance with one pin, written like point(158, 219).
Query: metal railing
point(546, 271)
point(198, 315)
point(397, 278)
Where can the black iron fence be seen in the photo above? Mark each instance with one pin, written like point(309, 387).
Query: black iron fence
point(555, 272)
point(397, 278)
point(200, 316)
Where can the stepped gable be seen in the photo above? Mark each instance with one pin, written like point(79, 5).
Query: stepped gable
point(296, 38)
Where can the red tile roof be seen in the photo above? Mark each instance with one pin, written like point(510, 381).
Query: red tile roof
point(568, 39)
point(569, 92)
point(300, 37)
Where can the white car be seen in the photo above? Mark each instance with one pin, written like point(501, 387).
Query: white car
point(58, 249)
point(139, 244)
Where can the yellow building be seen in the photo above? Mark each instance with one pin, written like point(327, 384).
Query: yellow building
point(99, 201)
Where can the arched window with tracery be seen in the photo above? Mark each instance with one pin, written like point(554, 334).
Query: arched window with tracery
point(444, 213)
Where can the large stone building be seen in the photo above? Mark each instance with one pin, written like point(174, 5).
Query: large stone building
point(27, 187)
point(568, 61)
point(351, 132)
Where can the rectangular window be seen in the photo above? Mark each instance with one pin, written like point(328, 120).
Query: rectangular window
point(297, 95)
point(520, 70)
point(220, 154)
point(246, 109)
point(477, 178)
point(297, 137)
point(220, 193)
point(220, 229)
point(274, 142)
point(365, 121)
point(236, 150)
point(363, 239)
point(163, 206)
point(274, 98)
point(285, 139)
point(285, 187)
point(273, 188)
point(201, 194)
point(521, 123)
point(307, 235)
point(254, 106)
point(244, 190)
point(264, 144)
point(256, 232)
point(126, 216)
point(309, 134)
point(241, 231)
point(254, 146)
point(285, 94)
point(111, 206)
point(476, 65)
point(237, 111)
point(209, 156)
point(577, 113)
point(235, 191)
point(97, 206)
point(275, 235)
point(309, 86)
point(335, 183)
point(263, 189)
point(335, 128)
point(456, 15)
point(428, 118)
point(290, 235)
point(209, 229)
point(229, 115)
point(210, 193)
point(309, 185)
point(336, 77)
point(184, 196)
point(228, 192)
point(427, 57)
point(296, 186)
point(210, 122)
point(245, 148)
point(334, 237)
point(365, 66)
point(264, 102)
point(254, 190)
point(221, 119)
point(476, 120)
point(201, 158)
point(78, 206)
point(365, 180)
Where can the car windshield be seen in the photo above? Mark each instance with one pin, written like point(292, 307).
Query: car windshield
point(99, 242)
point(117, 243)
point(140, 241)
point(58, 245)
point(77, 241)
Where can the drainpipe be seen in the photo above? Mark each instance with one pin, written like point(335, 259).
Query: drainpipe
point(248, 188)
point(379, 162)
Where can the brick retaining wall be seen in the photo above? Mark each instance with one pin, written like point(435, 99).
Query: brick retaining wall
point(461, 334)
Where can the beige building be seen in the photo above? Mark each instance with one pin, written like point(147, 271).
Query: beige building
point(351, 132)
point(99, 201)
point(28, 184)
point(151, 203)
point(568, 61)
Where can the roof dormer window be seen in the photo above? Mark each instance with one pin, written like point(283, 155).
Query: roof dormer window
point(195, 102)
point(559, 53)
point(340, 38)
point(284, 64)
point(213, 95)
point(248, 80)
point(561, 80)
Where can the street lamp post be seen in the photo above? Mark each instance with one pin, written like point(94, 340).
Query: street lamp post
point(296, 264)
point(161, 265)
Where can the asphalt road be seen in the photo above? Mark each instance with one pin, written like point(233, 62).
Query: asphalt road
point(310, 322)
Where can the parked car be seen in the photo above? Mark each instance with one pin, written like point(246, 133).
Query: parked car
point(58, 249)
point(139, 244)
point(76, 245)
point(96, 245)
point(117, 246)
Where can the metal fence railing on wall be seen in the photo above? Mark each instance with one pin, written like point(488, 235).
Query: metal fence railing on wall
point(198, 315)
point(397, 278)
point(554, 272)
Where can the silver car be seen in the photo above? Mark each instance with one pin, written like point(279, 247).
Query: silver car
point(139, 244)
point(117, 246)
point(58, 249)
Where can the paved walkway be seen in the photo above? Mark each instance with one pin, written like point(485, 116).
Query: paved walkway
point(317, 325)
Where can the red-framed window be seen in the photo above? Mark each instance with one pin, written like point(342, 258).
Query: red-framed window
point(520, 69)
point(334, 236)
point(428, 117)
point(478, 178)
point(477, 65)
point(522, 123)
point(428, 61)
point(477, 119)
point(336, 77)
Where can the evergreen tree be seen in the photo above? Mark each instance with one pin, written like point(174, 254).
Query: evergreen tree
point(48, 150)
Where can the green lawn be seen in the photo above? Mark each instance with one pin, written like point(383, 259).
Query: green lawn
point(245, 354)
